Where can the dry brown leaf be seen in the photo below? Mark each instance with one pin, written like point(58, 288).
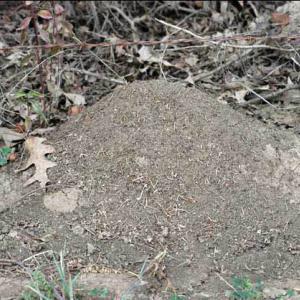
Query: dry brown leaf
point(10, 137)
point(146, 54)
point(37, 150)
point(280, 18)
point(76, 98)
point(45, 14)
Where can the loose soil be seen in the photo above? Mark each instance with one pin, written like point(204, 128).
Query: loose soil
point(159, 166)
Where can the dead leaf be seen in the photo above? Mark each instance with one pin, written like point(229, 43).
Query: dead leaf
point(190, 78)
point(37, 151)
point(44, 35)
point(146, 54)
point(280, 18)
point(45, 14)
point(2, 45)
point(198, 4)
point(54, 89)
point(240, 95)
point(20, 128)
point(191, 60)
point(25, 23)
point(76, 98)
point(67, 28)
point(10, 137)
point(15, 59)
point(58, 9)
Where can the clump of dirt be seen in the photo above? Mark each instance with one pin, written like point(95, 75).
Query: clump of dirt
point(160, 166)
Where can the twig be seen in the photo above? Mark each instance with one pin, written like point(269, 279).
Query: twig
point(7, 262)
point(180, 29)
point(130, 21)
point(38, 56)
point(96, 75)
point(93, 10)
point(259, 47)
point(226, 282)
point(245, 56)
point(33, 69)
point(152, 43)
point(269, 96)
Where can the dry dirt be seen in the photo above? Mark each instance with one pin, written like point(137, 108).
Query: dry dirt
point(158, 166)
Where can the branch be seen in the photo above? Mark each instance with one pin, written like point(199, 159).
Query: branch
point(270, 95)
point(170, 42)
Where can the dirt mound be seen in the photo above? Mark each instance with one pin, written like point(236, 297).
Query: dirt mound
point(160, 166)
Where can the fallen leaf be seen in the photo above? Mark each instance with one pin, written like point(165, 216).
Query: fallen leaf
point(25, 23)
point(45, 14)
point(54, 89)
point(10, 137)
point(146, 54)
point(44, 35)
point(2, 45)
point(58, 9)
point(190, 79)
point(280, 18)
point(37, 151)
point(198, 4)
point(15, 57)
point(67, 28)
point(240, 95)
point(191, 60)
point(75, 98)
point(20, 128)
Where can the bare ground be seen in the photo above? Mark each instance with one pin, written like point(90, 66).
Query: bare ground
point(157, 166)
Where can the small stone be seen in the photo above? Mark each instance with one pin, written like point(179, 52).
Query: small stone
point(149, 238)
point(90, 248)
point(201, 296)
point(78, 230)
point(142, 161)
point(272, 292)
point(5, 229)
point(13, 234)
point(205, 295)
point(165, 231)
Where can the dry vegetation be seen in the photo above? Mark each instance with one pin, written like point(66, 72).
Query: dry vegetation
point(59, 56)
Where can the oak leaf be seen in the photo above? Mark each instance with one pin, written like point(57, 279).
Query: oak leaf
point(37, 151)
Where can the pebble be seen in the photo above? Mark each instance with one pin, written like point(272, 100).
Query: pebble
point(5, 229)
point(90, 249)
point(78, 230)
point(272, 292)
